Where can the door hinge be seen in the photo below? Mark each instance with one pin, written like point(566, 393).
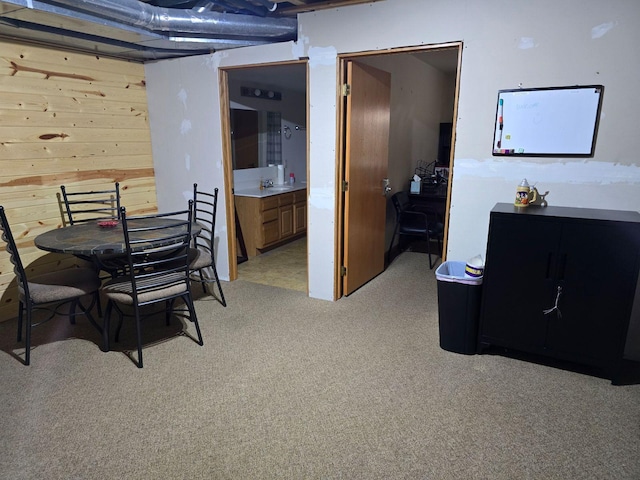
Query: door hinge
point(345, 185)
point(343, 271)
point(346, 90)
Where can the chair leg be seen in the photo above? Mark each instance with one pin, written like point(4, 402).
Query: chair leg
point(72, 311)
point(217, 279)
point(139, 335)
point(193, 317)
point(429, 251)
point(202, 281)
point(27, 328)
point(120, 319)
point(106, 323)
point(20, 317)
point(432, 263)
point(27, 340)
point(215, 275)
point(98, 305)
point(168, 310)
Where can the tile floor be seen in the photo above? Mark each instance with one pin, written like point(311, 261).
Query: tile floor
point(284, 267)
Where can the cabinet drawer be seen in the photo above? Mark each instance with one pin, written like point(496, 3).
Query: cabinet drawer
point(300, 196)
point(270, 215)
point(285, 199)
point(269, 202)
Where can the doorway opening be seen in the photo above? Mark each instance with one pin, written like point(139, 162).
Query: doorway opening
point(423, 104)
point(264, 118)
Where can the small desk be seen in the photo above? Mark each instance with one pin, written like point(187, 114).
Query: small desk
point(432, 199)
point(89, 239)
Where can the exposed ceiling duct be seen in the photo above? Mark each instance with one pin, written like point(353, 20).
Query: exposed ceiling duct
point(141, 31)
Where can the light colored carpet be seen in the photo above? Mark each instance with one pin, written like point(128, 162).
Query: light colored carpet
point(288, 387)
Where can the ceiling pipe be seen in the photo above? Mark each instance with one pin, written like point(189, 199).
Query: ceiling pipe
point(243, 6)
point(177, 21)
point(268, 4)
point(203, 6)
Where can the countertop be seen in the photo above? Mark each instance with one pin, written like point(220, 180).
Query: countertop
point(268, 192)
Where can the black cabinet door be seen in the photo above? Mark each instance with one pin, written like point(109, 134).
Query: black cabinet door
point(518, 282)
point(596, 271)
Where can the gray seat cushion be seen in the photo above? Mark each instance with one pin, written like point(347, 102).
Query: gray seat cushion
point(120, 289)
point(62, 285)
point(198, 259)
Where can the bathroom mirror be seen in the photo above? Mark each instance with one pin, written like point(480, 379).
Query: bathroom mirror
point(255, 138)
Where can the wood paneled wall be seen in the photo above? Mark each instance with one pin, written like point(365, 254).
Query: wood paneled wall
point(69, 119)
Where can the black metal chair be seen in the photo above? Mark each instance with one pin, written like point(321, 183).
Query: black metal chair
point(93, 205)
point(158, 271)
point(49, 291)
point(413, 223)
point(203, 251)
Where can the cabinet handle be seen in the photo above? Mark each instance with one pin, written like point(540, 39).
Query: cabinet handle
point(555, 306)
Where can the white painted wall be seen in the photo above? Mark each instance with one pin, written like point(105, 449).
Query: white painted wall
point(506, 44)
point(184, 115)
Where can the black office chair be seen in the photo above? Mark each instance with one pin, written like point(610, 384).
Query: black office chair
point(93, 205)
point(158, 271)
point(49, 291)
point(203, 252)
point(413, 223)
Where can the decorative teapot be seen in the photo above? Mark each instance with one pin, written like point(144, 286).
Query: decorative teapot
point(525, 194)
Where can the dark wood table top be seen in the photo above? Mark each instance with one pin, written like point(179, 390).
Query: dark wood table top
point(88, 239)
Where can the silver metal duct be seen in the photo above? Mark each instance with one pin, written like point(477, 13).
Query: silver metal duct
point(135, 30)
point(158, 19)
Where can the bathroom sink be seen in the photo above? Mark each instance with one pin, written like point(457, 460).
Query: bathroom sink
point(280, 188)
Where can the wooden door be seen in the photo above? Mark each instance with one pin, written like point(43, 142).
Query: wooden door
point(366, 161)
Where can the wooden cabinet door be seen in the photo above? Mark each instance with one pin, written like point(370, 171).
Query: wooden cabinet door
point(518, 282)
point(286, 221)
point(299, 217)
point(597, 274)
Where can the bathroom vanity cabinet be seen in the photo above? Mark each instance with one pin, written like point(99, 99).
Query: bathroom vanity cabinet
point(561, 282)
point(271, 220)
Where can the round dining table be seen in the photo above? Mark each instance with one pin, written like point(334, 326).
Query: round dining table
point(90, 239)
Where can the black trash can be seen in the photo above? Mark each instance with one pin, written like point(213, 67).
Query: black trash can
point(458, 308)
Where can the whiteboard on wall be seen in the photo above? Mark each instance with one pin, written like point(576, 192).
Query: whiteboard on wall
point(554, 121)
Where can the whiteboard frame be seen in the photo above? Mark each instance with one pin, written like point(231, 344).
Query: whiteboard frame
point(588, 123)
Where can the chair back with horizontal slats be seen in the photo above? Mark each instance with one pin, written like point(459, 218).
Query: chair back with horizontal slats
point(410, 222)
point(48, 291)
point(92, 205)
point(205, 206)
point(157, 249)
point(158, 263)
point(12, 250)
